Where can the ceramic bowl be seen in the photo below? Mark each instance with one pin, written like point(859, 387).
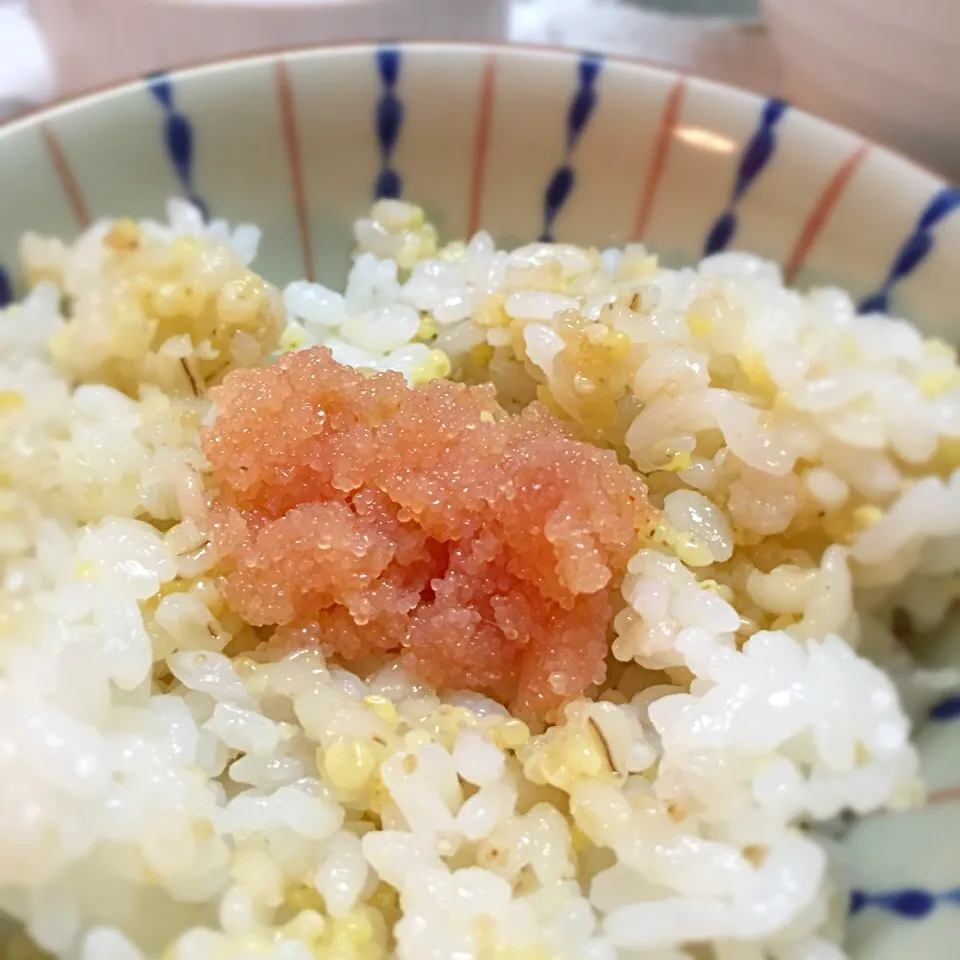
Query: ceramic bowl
point(884, 67)
point(530, 143)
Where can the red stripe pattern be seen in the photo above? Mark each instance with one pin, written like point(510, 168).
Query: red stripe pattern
point(481, 145)
point(658, 162)
point(817, 220)
point(291, 139)
point(71, 188)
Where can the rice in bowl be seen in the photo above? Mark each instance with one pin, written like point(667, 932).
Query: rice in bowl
point(187, 783)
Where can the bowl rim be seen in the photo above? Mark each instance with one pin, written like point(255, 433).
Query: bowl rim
point(52, 109)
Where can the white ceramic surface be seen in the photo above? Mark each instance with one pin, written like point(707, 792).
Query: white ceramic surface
point(26, 74)
point(887, 68)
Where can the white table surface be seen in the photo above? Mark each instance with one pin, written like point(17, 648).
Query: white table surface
point(734, 51)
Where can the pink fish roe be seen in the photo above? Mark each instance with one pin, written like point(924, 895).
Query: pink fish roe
point(374, 517)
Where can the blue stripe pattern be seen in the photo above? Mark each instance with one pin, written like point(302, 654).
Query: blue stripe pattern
point(756, 155)
point(6, 289)
point(388, 120)
point(177, 137)
point(916, 248)
point(909, 903)
point(581, 108)
point(947, 709)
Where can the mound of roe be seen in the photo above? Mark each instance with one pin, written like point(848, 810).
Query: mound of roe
point(369, 516)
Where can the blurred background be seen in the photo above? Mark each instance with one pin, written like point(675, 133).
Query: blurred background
point(889, 69)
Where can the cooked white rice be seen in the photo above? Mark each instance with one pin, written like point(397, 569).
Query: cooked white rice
point(171, 789)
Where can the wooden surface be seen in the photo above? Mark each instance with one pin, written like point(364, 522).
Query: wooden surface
point(97, 42)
